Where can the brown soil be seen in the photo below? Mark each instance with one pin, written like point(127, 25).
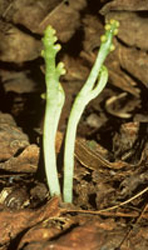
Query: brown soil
point(110, 209)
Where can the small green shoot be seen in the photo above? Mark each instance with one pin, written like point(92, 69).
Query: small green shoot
point(55, 98)
point(89, 91)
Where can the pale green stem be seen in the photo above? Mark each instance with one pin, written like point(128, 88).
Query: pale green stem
point(76, 112)
point(49, 151)
point(54, 102)
point(87, 93)
point(52, 116)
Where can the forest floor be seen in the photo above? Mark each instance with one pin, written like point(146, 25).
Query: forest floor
point(110, 206)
